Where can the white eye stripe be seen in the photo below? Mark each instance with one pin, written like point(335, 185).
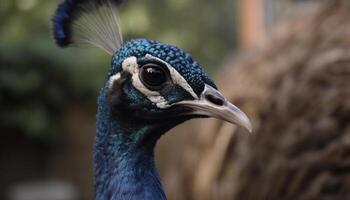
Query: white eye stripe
point(176, 77)
point(130, 65)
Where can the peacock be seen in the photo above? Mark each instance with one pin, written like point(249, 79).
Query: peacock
point(151, 87)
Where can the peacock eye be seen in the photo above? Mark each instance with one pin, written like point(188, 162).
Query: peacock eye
point(152, 76)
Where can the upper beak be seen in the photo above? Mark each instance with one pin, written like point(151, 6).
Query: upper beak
point(213, 104)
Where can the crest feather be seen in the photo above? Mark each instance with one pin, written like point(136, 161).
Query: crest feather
point(88, 23)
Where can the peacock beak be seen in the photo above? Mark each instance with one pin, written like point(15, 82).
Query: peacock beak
point(213, 104)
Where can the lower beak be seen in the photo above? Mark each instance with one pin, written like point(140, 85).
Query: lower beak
point(213, 104)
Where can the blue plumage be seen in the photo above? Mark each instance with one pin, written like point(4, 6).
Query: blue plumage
point(150, 88)
point(123, 153)
point(177, 58)
point(124, 161)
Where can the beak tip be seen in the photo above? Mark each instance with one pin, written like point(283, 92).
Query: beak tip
point(241, 119)
point(250, 129)
point(248, 126)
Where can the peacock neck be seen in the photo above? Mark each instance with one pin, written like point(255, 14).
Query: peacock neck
point(124, 159)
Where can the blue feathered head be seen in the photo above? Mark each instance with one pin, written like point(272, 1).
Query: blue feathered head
point(147, 77)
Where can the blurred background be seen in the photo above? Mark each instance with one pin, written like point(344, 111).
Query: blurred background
point(285, 62)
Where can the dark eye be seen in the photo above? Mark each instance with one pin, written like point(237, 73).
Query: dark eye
point(153, 76)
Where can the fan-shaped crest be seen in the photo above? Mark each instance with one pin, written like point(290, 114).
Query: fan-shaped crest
point(88, 23)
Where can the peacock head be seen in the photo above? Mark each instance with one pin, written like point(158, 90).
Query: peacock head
point(154, 81)
point(149, 81)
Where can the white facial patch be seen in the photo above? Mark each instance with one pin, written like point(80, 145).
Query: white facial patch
point(176, 77)
point(130, 65)
point(113, 78)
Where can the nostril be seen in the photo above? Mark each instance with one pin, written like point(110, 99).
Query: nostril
point(215, 100)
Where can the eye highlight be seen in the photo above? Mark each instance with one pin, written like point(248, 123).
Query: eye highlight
point(153, 76)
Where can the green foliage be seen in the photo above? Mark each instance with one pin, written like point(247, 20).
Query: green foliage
point(202, 27)
point(38, 80)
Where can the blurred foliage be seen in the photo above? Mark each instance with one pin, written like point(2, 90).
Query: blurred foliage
point(38, 80)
